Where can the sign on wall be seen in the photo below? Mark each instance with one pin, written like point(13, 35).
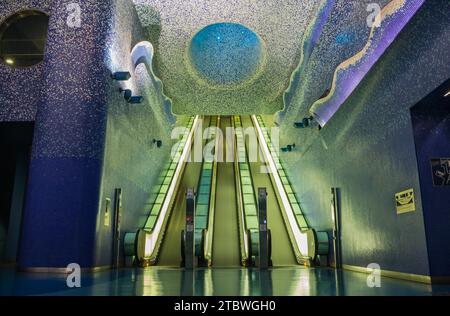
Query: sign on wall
point(440, 168)
point(405, 201)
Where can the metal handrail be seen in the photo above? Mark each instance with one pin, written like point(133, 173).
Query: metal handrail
point(212, 204)
point(299, 238)
point(243, 236)
point(154, 238)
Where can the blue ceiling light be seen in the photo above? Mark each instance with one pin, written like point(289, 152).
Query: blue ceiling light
point(121, 76)
point(226, 53)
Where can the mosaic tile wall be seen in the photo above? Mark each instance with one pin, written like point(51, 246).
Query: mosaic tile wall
point(367, 149)
point(132, 161)
point(20, 89)
point(88, 140)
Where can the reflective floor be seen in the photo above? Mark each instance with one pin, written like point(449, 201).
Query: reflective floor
point(221, 282)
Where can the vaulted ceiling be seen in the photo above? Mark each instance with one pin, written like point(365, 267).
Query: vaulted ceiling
point(241, 56)
point(279, 24)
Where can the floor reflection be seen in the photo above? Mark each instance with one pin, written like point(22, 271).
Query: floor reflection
point(155, 281)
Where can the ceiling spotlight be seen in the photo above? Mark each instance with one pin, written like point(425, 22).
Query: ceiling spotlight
point(121, 76)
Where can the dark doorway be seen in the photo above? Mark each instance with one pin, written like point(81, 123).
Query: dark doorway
point(431, 123)
point(15, 141)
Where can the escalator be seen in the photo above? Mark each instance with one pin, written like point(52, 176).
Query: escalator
point(283, 254)
point(226, 232)
point(170, 252)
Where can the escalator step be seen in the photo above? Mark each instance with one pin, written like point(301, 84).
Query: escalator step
point(202, 209)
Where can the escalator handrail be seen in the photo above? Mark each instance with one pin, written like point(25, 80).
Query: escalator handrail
point(154, 238)
point(243, 235)
point(212, 204)
point(181, 146)
point(299, 237)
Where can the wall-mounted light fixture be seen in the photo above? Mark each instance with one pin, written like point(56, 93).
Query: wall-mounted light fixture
point(127, 93)
point(305, 123)
point(121, 76)
point(130, 98)
point(158, 143)
point(136, 99)
point(288, 148)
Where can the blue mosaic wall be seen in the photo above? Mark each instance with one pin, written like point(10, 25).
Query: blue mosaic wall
point(88, 140)
point(65, 171)
point(20, 89)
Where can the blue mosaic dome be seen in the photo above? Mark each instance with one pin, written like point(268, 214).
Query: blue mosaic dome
point(226, 53)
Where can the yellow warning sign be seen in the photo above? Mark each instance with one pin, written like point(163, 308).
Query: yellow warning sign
point(405, 201)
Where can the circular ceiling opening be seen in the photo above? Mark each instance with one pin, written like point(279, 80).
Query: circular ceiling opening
point(23, 37)
point(226, 53)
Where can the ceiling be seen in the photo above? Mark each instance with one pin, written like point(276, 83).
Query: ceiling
point(278, 24)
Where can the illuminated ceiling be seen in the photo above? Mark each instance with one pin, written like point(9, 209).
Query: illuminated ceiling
point(279, 25)
point(250, 56)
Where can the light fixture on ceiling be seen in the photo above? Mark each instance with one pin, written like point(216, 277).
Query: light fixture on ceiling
point(9, 61)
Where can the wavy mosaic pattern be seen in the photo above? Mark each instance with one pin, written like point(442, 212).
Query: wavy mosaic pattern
point(350, 73)
point(143, 53)
point(310, 39)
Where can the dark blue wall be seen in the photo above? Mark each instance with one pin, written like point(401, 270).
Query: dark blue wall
point(367, 149)
point(431, 119)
